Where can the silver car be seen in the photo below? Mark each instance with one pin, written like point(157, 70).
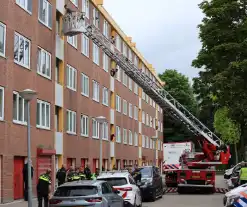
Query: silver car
point(93, 193)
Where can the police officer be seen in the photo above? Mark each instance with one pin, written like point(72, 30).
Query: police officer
point(61, 175)
point(136, 174)
point(87, 172)
point(243, 174)
point(81, 174)
point(76, 175)
point(71, 173)
point(44, 188)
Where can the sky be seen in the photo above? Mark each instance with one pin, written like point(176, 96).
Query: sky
point(165, 31)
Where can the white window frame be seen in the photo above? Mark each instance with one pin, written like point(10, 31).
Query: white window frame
point(75, 2)
point(71, 117)
point(151, 143)
point(71, 73)
point(130, 55)
point(135, 61)
point(118, 42)
point(84, 125)
point(46, 22)
point(118, 103)
point(143, 95)
point(96, 92)
point(125, 136)
point(130, 84)
point(130, 138)
point(105, 62)
point(130, 110)
point(143, 141)
point(136, 139)
point(25, 6)
point(24, 108)
point(147, 119)
point(24, 51)
point(125, 79)
point(2, 103)
point(151, 122)
point(47, 111)
point(85, 45)
point(106, 29)
point(118, 76)
point(125, 107)
point(143, 117)
point(105, 96)
point(135, 113)
point(85, 8)
point(96, 17)
point(95, 54)
point(147, 142)
point(4, 39)
point(154, 123)
point(44, 63)
point(84, 85)
point(105, 131)
point(72, 40)
point(136, 88)
point(125, 50)
point(118, 134)
point(95, 126)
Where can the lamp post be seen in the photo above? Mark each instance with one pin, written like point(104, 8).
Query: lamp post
point(100, 120)
point(28, 95)
point(154, 138)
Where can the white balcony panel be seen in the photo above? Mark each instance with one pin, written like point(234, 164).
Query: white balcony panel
point(60, 6)
point(58, 95)
point(140, 153)
point(112, 116)
point(112, 84)
point(59, 48)
point(112, 149)
point(59, 143)
point(140, 127)
point(140, 103)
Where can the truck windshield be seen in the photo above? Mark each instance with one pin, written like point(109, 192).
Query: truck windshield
point(146, 172)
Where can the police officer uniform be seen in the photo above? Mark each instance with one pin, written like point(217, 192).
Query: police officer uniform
point(136, 175)
point(243, 175)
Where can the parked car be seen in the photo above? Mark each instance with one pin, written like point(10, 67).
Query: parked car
point(151, 183)
point(125, 184)
point(228, 173)
point(86, 193)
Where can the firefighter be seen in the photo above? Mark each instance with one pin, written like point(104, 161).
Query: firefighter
point(243, 174)
point(44, 188)
point(61, 175)
point(81, 174)
point(136, 174)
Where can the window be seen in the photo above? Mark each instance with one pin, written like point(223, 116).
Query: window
point(44, 63)
point(136, 88)
point(153, 104)
point(95, 91)
point(85, 45)
point(151, 122)
point(125, 79)
point(95, 129)
point(130, 110)
point(71, 122)
point(147, 119)
point(43, 114)
point(118, 103)
point(118, 134)
point(2, 39)
point(151, 101)
point(147, 142)
point(74, 191)
point(151, 144)
point(143, 117)
point(25, 4)
point(143, 141)
point(105, 96)
point(143, 95)
point(125, 136)
point(105, 131)
point(75, 2)
point(85, 7)
point(1, 103)
point(130, 138)
point(154, 147)
point(105, 62)
point(84, 125)
point(84, 85)
point(135, 113)
point(118, 42)
point(130, 84)
point(95, 54)
point(130, 55)
point(136, 139)
point(125, 50)
point(154, 123)
point(71, 78)
point(19, 109)
point(22, 50)
point(45, 13)
point(95, 17)
point(147, 98)
point(106, 29)
point(135, 61)
point(118, 76)
point(72, 40)
point(125, 107)
point(158, 144)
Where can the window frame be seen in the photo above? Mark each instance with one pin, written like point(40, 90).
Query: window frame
point(73, 114)
point(125, 107)
point(76, 4)
point(74, 78)
point(96, 97)
point(135, 88)
point(72, 40)
point(40, 126)
point(130, 137)
point(105, 99)
point(105, 131)
point(130, 110)
point(83, 77)
point(130, 84)
point(17, 121)
point(97, 129)
point(4, 39)
point(85, 45)
point(135, 139)
point(125, 136)
point(84, 122)
point(106, 29)
point(135, 113)
point(125, 79)
point(47, 14)
point(118, 134)
point(118, 103)
point(86, 8)
point(96, 13)
point(39, 69)
point(96, 54)
point(2, 104)
point(24, 7)
point(106, 61)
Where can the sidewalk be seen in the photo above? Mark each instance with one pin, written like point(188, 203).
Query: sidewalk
point(20, 203)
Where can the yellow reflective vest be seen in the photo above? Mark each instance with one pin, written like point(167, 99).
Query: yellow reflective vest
point(243, 173)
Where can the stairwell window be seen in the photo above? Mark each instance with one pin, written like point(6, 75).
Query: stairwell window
point(130, 138)
point(43, 114)
point(105, 131)
point(125, 139)
point(22, 50)
point(95, 91)
point(130, 110)
point(105, 62)
point(125, 107)
point(2, 39)
point(84, 85)
point(72, 41)
point(19, 109)
point(85, 7)
point(105, 96)
point(71, 78)
point(25, 4)
point(118, 134)
point(95, 129)
point(118, 103)
point(71, 122)
point(44, 63)
point(1, 103)
point(45, 13)
point(85, 45)
point(84, 125)
point(106, 29)
point(136, 139)
point(135, 113)
point(95, 17)
point(95, 54)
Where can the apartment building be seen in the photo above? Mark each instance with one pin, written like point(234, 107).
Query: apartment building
point(71, 76)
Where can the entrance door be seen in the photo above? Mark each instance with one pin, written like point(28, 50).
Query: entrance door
point(18, 177)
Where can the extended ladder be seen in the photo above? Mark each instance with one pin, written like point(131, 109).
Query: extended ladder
point(150, 87)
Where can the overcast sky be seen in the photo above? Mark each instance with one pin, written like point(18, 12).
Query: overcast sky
point(165, 31)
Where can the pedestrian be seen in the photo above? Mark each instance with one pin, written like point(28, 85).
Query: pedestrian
point(87, 172)
point(61, 175)
point(44, 188)
point(136, 174)
point(243, 174)
point(25, 179)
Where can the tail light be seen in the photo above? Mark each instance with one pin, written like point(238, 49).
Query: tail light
point(54, 201)
point(124, 189)
point(94, 200)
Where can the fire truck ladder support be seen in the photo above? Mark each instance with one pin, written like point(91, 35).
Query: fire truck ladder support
point(150, 87)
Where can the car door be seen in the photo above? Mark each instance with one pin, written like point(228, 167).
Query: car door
point(107, 195)
point(160, 180)
point(117, 201)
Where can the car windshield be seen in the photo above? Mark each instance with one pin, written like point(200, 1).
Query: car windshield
point(146, 172)
point(115, 181)
point(71, 191)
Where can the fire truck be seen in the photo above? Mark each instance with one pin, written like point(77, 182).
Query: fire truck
point(197, 168)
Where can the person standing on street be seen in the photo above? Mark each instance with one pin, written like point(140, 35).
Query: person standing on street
point(44, 188)
point(25, 179)
point(61, 175)
point(70, 174)
point(87, 172)
point(81, 173)
point(243, 174)
point(136, 174)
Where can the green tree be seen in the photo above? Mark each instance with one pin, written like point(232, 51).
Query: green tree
point(179, 87)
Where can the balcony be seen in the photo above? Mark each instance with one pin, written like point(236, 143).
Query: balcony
point(59, 143)
point(140, 127)
point(59, 47)
point(112, 149)
point(58, 95)
point(60, 6)
point(112, 84)
point(140, 153)
point(112, 116)
point(140, 103)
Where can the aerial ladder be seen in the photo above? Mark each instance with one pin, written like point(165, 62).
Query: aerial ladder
point(215, 152)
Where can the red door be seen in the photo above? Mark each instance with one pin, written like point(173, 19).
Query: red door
point(94, 164)
point(69, 163)
point(18, 178)
point(83, 162)
point(43, 163)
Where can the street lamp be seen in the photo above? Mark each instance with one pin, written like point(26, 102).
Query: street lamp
point(28, 95)
point(154, 138)
point(100, 120)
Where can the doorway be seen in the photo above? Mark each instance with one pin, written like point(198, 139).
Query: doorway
point(18, 177)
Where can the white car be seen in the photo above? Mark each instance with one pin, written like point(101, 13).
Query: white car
point(125, 184)
point(233, 195)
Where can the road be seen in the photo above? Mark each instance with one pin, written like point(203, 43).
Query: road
point(192, 200)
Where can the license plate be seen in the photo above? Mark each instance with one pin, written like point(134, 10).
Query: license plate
point(196, 176)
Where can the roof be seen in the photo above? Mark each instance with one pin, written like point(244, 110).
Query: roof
point(118, 174)
point(82, 183)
